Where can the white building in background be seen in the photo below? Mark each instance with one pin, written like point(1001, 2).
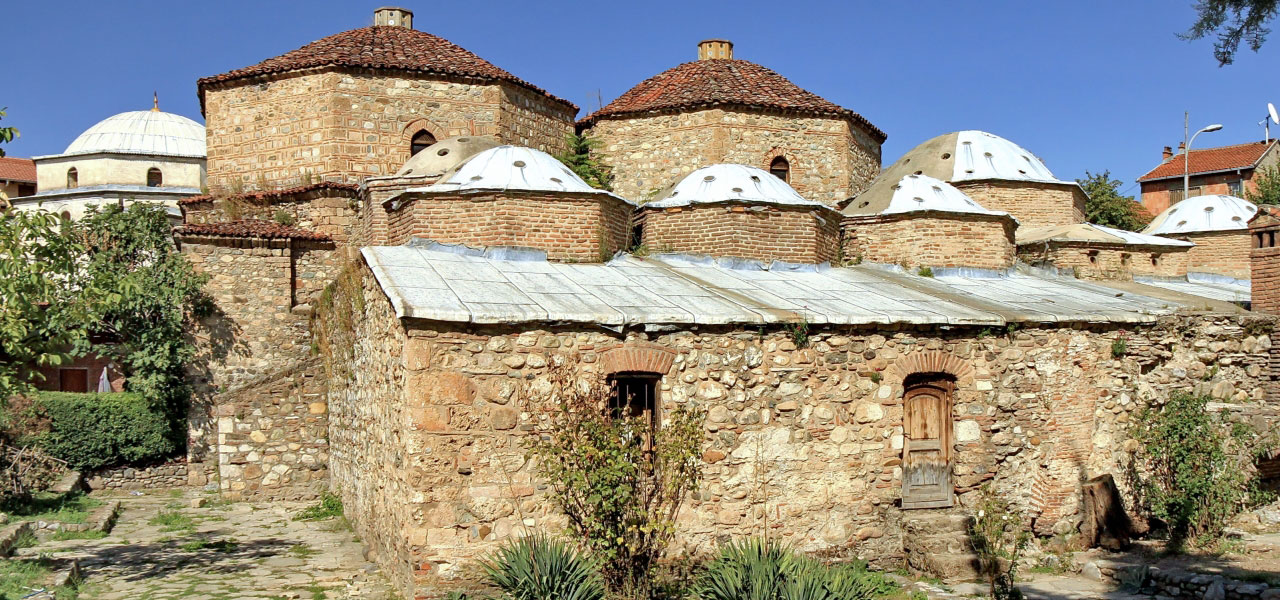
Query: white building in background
point(144, 156)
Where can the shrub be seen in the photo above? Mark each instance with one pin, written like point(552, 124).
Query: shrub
point(759, 569)
point(537, 568)
point(1199, 469)
point(998, 537)
point(329, 506)
point(90, 431)
point(283, 217)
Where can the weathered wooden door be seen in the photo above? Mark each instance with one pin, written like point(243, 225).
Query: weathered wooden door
point(926, 447)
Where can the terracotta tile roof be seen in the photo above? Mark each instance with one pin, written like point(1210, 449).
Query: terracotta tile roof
point(17, 169)
point(723, 82)
point(1211, 160)
point(251, 228)
point(271, 195)
point(381, 47)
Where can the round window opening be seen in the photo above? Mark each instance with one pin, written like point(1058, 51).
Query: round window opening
point(556, 179)
point(918, 173)
point(519, 164)
point(864, 204)
point(946, 155)
point(464, 140)
point(442, 152)
point(755, 178)
point(709, 178)
point(476, 178)
point(737, 190)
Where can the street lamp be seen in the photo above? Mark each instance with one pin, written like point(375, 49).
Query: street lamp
point(1186, 154)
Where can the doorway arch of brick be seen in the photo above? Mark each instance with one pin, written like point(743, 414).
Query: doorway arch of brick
point(931, 361)
point(406, 135)
point(636, 358)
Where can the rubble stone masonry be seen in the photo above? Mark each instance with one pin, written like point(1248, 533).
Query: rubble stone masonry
point(318, 207)
point(830, 159)
point(1219, 252)
point(932, 240)
point(804, 443)
point(1104, 261)
point(765, 233)
point(1032, 204)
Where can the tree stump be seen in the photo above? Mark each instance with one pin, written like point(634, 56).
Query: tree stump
point(1105, 523)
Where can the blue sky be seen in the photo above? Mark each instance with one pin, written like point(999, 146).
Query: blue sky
point(1086, 85)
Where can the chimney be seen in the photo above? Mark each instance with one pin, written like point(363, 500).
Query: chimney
point(708, 49)
point(1182, 147)
point(392, 16)
point(1167, 154)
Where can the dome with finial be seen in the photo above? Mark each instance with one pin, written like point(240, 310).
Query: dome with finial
point(151, 132)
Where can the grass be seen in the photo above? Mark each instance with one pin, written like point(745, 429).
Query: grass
point(17, 577)
point(215, 545)
point(302, 551)
point(78, 535)
point(25, 539)
point(317, 592)
point(175, 493)
point(172, 520)
point(329, 506)
point(47, 506)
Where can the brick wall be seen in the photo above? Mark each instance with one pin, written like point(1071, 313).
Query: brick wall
point(371, 226)
point(329, 211)
point(345, 126)
point(1107, 261)
point(1218, 252)
point(1156, 195)
point(569, 227)
point(1264, 260)
point(786, 233)
point(932, 239)
point(830, 159)
point(1032, 204)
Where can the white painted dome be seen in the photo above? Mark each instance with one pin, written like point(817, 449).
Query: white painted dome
point(445, 154)
point(730, 183)
point(512, 168)
point(915, 193)
point(1203, 213)
point(142, 132)
point(982, 155)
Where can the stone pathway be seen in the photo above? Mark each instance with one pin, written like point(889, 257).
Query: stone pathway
point(162, 548)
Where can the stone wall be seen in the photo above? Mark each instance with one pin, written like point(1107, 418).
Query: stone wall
point(1219, 252)
point(931, 239)
point(766, 233)
point(1107, 261)
point(345, 126)
point(327, 208)
point(1032, 204)
point(167, 475)
point(576, 227)
point(831, 159)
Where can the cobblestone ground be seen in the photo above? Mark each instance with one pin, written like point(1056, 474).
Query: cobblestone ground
point(161, 548)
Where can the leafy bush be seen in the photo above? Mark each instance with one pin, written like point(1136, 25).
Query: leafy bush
point(759, 569)
point(1199, 469)
point(998, 537)
point(90, 431)
point(540, 568)
point(329, 506)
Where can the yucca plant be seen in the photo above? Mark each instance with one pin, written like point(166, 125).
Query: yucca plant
point(758, 569)
point(538, 567)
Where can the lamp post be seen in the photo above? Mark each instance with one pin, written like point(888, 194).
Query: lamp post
point(1186, 151)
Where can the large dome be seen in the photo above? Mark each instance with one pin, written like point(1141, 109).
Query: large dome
point(730, 183)
point(1203, 213)
point(142, 132)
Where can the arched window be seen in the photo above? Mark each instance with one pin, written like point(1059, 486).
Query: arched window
point(421, 140)
point(73, 178)
point(154, 177)
point(781, 169)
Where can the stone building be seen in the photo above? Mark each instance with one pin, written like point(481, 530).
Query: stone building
point(719, 109)
point(997, 174)
point(919, 221)
point(1222, 171)
point(1091, 251)
point(145, 156)
point(1264, 260)
point(359, 103)
point(1219, 227)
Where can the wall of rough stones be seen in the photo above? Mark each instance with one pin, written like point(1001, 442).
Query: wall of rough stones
point(934, 240)
point(577, 227)
point(345, 126)
point(167, 475)
point(1099, 261)
point(319, 207)
point(1032, 204)
point(792, 234)
point(830, 158)
point(1219, 252)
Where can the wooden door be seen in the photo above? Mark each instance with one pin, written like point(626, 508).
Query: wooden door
point(926, 447)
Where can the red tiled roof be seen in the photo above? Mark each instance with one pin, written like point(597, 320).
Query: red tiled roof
point(381, 47)
point(251, 228)
point(270, 195)
point(1211, 160)
point(723, 82)
point(18, 169)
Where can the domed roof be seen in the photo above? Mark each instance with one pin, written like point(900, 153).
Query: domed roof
point(730, 183)
point(445, 154)
point(915, 193)
point(1091, 233)
point(142, 132)
point(512, 168)
point(1203, 213)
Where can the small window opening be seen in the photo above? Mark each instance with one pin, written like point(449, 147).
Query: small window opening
point(1155, 260)
point(1093, 257)
point(635, 395)
point(1126, 260)
point(781, 169)
point(421, 140)
point(154, 177)
point(73, 178)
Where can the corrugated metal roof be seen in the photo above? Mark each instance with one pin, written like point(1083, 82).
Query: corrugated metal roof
point(731, 183)
point(142, 132)
point(1203, 213)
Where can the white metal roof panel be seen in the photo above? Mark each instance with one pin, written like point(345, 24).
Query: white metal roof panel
point(1203, 213)
point(731, 183)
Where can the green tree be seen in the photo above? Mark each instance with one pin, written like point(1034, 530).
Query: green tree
point(156, 297)
point(1234, 22)
point(7, 134)
point(578, 157)
point(46, 302)
point(1107, 207)
point(1268, 181)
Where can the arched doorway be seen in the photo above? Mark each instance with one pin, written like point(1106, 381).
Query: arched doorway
point(927, 440)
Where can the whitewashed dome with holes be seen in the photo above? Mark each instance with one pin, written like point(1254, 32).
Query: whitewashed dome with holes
point(444, 155)
point(918, 193)
point(1203, 213)
point(149, 132)
point(512, 168)
point(730, 183)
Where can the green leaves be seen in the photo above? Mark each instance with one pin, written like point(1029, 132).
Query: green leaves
point(1234, 21)
point(998, 537)
point(760, 569)
point(7, 134)
point(578, 157)
point(537, 567)
point(1267, 180)
point(1105, 206)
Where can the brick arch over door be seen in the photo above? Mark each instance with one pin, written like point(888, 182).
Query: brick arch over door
point(931, 361)
point(406, 134)
point(636, 358)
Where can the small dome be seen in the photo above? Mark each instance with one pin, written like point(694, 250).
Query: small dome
point(1203, 213)
point(445, 154)
point(512, 168)
point(143, 132)
point(915, 193)
point(730, 183)
point(1091, 233)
